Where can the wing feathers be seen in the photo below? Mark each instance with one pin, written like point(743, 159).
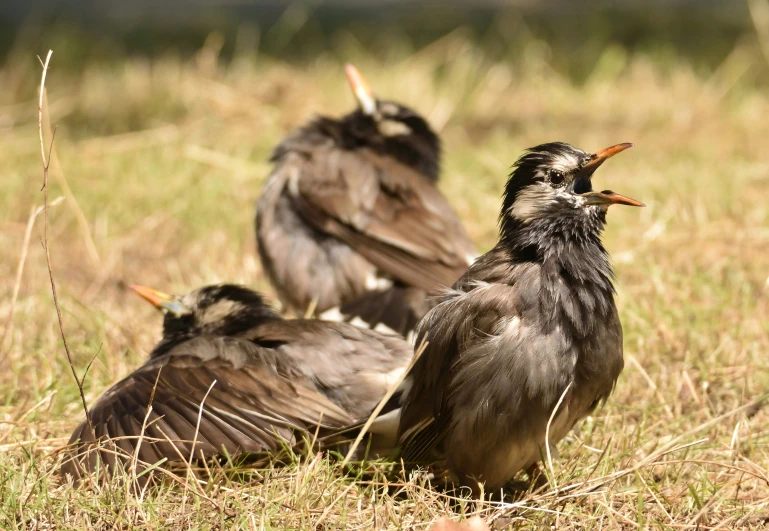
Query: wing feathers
point(252, 406)
point(402, 224)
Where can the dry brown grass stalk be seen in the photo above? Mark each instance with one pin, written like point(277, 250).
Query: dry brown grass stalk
point(46, 164)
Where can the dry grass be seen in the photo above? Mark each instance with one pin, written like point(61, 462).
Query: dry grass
point(160, 163)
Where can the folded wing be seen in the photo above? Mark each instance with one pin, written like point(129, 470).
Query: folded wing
point(220, 396)
point(388, 213)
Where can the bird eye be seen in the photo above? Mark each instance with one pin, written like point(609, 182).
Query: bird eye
point(556, 177)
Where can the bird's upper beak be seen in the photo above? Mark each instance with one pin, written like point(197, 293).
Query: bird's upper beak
point(361, 90)
point(600, 156)
point(161, 301)
point(607, 197)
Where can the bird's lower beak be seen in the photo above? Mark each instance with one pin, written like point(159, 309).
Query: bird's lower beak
point(160, 300)
point(361, 89)
point(608, 198)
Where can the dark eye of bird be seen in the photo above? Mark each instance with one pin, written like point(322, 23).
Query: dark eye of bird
point(556, 177)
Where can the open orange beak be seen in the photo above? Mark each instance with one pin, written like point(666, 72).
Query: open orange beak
point(361, 90)
point(606, 197)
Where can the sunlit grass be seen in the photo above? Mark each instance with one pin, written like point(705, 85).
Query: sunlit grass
point(165, 160)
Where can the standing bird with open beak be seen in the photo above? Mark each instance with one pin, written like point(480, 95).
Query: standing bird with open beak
point(230, 376)
point(350, 218)
point(530, 330)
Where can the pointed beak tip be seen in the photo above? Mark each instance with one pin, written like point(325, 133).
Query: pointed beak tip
point(602, 155)
point(609, 197)
point(138, 289)
point(619, 199)
point(609, 152)
point(354, 77)
point(154, 297)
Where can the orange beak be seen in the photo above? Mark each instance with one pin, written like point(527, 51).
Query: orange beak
point(361, 89)
point(607, 197)
point(599, 157)
point(161, 301)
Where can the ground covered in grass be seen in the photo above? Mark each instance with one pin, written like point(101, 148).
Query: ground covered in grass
point(159, 163)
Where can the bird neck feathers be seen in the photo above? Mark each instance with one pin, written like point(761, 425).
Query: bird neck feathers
point(576, 278)
point(568, 245)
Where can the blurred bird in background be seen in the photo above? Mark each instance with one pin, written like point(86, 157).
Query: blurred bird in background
point(230, 376)
point(530, 328)
point(350, 221)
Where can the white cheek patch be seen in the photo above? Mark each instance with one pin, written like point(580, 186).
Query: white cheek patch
point(532, 201)
point(220, 310)
point(393, 128)
point(388, 108)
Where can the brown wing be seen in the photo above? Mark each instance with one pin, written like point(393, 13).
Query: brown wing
point(451, 329)
point(387, 212)
point(253, 403)
point(353, 366)
point(306, 266)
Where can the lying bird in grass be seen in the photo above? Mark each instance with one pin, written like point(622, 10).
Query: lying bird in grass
point(351, 222)
point(263, 382)
point(530, 329)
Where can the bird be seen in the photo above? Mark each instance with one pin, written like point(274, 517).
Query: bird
point(530, 330)
point(231, 376)
point(350, 222)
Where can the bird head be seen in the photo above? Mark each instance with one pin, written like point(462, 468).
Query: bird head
point(554, 181)
point(391, 128)
point(220, 310)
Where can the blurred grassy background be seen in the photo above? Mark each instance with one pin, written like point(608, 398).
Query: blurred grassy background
point(164, 126)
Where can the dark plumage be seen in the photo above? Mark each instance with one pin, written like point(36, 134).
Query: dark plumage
point(530, 321)
point(351, 208)
point(269, 381)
